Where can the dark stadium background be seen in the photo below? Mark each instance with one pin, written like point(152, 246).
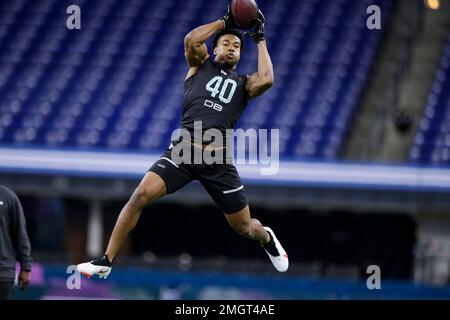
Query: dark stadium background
point(366, 113)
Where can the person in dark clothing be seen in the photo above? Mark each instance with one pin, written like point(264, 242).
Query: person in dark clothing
point(14, 244)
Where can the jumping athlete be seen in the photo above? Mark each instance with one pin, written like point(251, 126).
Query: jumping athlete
point(215, 95)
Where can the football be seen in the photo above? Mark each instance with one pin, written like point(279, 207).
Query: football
point(244, 12)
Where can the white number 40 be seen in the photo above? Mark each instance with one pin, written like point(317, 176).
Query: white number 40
point(213, 86)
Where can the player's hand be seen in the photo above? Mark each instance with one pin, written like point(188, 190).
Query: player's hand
point(24, 279)
point(258, 32)
point(261, 17)
point(229, 20)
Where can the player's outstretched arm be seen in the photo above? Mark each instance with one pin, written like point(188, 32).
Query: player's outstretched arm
point(262, 80)
point(195, 49)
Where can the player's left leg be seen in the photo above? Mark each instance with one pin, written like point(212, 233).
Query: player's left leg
point(248, 227)
point(224, 185)
point(251, 228)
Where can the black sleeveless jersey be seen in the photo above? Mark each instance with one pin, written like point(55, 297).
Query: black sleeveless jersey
point(214, 95)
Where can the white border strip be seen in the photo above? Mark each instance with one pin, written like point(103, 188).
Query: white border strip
point(301, 173)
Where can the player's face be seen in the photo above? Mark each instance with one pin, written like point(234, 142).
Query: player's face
point(228, 50)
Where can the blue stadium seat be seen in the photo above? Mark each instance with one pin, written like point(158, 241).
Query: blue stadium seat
point(432, 141)
point(118, 83)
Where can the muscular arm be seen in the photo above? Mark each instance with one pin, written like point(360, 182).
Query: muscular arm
point(262, 80)
point(195, 49)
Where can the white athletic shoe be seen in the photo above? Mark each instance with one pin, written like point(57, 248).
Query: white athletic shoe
point(276, 253)
point(98, 266)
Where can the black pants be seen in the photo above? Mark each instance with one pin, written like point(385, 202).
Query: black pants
point(6, 288)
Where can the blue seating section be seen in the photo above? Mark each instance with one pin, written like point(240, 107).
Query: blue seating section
point(117, 83)
point(432, 141)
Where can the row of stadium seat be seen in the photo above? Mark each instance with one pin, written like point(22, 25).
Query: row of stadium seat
point(118, 82)
point(432, 141)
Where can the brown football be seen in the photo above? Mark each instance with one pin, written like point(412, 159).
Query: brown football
point(244, 12)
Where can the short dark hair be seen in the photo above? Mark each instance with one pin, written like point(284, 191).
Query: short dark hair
point(223, 32)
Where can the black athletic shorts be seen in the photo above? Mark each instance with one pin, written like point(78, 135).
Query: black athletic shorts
point(221, 181)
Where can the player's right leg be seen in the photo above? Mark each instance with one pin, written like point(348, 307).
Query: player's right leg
point(164, 177)
point(150, 188)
